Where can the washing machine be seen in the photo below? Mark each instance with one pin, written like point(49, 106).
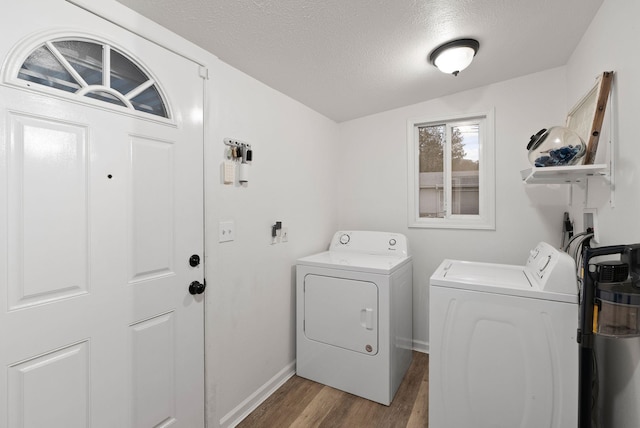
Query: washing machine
point(503, 350)
point(354, 314)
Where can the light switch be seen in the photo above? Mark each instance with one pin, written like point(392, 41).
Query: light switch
point(227, 231)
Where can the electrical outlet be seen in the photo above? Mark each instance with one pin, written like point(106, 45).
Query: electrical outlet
point(590, 221)
point(284, 234)
point(227, 231)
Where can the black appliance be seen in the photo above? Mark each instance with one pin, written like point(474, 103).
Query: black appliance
point(609, 337)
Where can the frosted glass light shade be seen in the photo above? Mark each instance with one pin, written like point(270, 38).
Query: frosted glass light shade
point(454, 59)
point(455, 56)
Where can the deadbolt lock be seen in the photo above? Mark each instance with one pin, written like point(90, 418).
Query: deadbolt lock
point(194, 260)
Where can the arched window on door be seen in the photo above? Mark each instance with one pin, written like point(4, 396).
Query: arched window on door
point(95, 70)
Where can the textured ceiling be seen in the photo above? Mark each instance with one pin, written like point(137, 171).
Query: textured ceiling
point(351, 58)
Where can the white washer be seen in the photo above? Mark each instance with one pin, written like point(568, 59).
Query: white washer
point(503, 349)
point(354, 314)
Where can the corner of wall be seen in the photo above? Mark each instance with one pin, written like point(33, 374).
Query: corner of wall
point(242, 410)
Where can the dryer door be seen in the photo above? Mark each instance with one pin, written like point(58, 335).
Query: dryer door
point(341, 312)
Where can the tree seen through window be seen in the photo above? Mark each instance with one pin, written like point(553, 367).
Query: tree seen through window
point(462, 143)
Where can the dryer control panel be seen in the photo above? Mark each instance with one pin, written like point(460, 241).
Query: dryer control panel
point(368, 242)
point(553, 270)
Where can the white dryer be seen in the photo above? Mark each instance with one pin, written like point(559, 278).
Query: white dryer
point(354, 314)
point(503, 351)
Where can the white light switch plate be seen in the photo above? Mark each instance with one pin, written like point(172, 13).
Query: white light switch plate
point(227, 231)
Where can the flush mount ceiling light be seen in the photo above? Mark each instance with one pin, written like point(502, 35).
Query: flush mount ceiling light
point(454, 56)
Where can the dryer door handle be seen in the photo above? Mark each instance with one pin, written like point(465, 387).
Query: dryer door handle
point(366, 318)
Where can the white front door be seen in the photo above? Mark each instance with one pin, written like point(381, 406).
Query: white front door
point(100, 213)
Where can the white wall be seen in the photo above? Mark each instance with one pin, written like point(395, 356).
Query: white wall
point(610, 44)
point(305, 166)
point(373, 179)
point(250, 298)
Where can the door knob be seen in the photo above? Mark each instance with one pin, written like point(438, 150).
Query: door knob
point(196, 288)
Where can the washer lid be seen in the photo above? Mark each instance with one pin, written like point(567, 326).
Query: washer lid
point(493, 278)
point(359, 262)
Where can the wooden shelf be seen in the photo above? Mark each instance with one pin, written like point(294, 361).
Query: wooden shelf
point(562, 174)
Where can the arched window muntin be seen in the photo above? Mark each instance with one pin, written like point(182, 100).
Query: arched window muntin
point(79, 88)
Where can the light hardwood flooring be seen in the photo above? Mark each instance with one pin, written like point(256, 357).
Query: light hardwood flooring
point(304, 403)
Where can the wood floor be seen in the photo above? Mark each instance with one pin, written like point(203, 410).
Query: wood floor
point(303, 403)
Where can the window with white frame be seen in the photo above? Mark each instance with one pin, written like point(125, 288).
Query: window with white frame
point(451, 172)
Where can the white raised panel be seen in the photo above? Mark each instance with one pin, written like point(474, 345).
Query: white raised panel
point(152, 236)
point(51, 390)
point(153, 369)
point(48, 211)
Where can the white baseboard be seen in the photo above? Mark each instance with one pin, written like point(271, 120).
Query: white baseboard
point(252, 402)
point(420, 346)
point(243, 409)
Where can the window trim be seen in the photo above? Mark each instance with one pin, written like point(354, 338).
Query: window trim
point(486, 219)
